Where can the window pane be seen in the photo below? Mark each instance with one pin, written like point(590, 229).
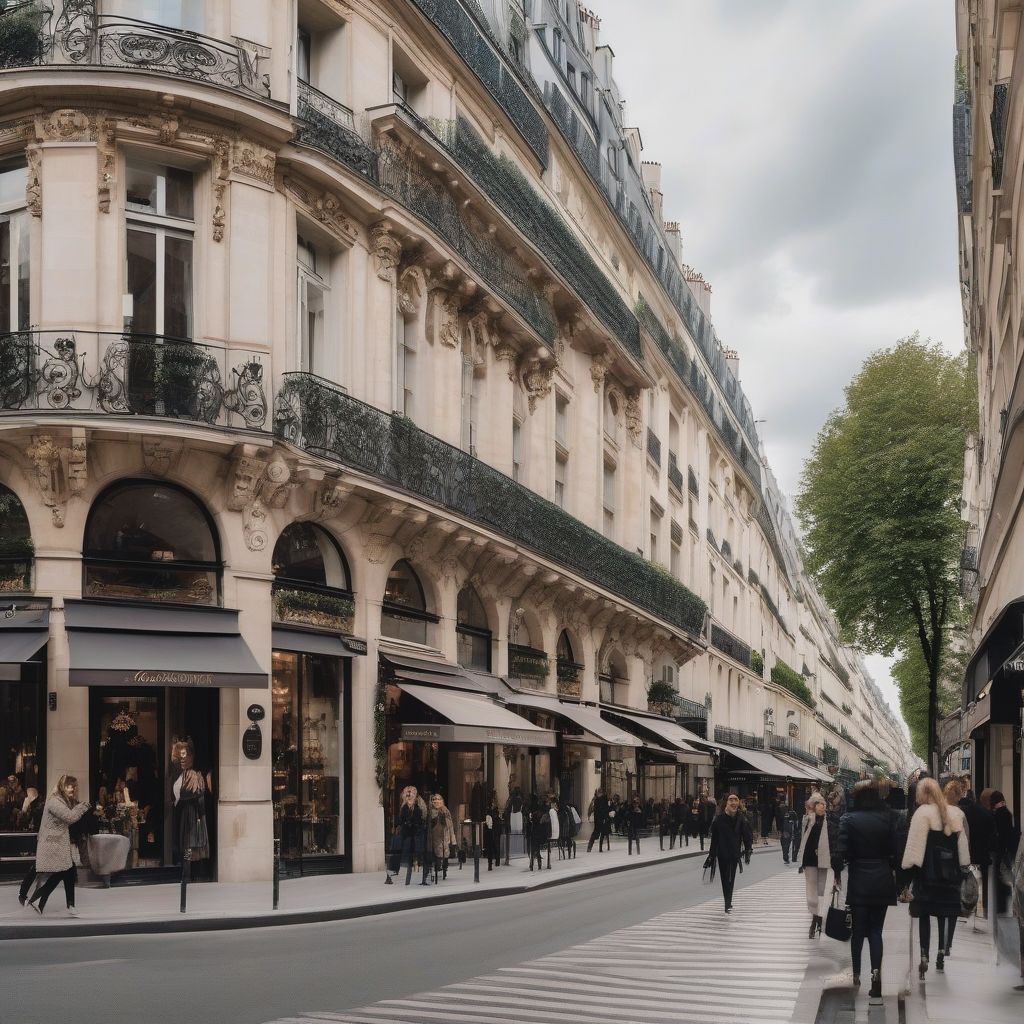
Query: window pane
point(23, 272)
point(142, 280)
point(319, 798)
point(141, 186)
point(412, 630)
point(152, 583)
point(8, 321)
point(187, 14)
point(306, 554)
point(12, 184)
point(22, 730)
point(474, 651)
point(403, 588)
point(180, 193)
point(178, 287)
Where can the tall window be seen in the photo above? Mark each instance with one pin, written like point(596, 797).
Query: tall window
point(587, 93)
point(160, 229)
point(313, 289)
point(608, 498)
point(307, 556)
point(399, 90)
point(561, 469)
point(517, 448)
point(557, 46)
point(151, 542)
point(14, 250)
point(303, 55)
point(473, 634)
point(405, 365)
point(561, 447)
point(655, 532)
point(470, 402)
point(15, 544)
point(404, 614)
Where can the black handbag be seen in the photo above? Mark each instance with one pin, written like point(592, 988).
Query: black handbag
point(838, 922)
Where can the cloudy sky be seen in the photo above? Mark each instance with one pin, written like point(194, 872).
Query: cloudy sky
point(806, 150)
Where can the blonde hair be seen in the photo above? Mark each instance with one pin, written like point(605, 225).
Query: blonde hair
point(953, 791)
point(65, 780)
point(928, 792)
point(815, 798)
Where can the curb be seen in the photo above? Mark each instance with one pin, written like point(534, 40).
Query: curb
point(278, 918)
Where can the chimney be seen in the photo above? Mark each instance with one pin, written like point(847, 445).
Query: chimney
point(675, 239)
point(732, 360)
point(651, 173)
point(700, 288)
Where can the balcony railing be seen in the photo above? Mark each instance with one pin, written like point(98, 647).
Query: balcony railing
point(570, 677)
point(692, 482)
point(653, 446)
point(727, 550)
point(738, 738)
point(318, 416)
point(727, 643)
point(675, 474)
point(83, 38)
point(133, 375)
point(527, 664)
point(1000, 106)
point(969, 559)
point(312, 99)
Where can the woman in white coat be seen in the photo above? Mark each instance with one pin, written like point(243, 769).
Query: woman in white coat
point(819, 834)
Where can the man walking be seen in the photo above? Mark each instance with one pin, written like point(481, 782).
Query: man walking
point(789, 835)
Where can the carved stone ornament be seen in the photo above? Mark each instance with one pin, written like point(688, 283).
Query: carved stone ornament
point(251, 160)
point(443, 318)
point(106, 153)
point(634, 418)
point(66, 125)
point(387, 250)
point(411, 285)
point(329, 499)
point(221, 170)
point(599, 365)
point(254, 526)
point(324, 206)
point(506, 353)
point(538, 382)
point(78, 462)
point(277, 483)
point(159, 455)
point(34, 181)
point(44, 455)
point(244, 479)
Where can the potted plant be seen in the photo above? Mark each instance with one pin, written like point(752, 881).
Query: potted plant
point(21, 40)
point(661, 697)
point(310, 608)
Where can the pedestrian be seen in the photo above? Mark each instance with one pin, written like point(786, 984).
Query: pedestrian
point(937, 847)
point(692, 822)
point(568, 828)
point(615, 815)
point(818, 838)
point(666, 825)
point(867, 846)
point(494, 829)
point(539, 825)
point(53, 844)
point(753, 813)
point(598, 812)
point(1007, 838)
point(789, 829)
point(441, 837)
point(409, 837)
point(708, 813)
point(731, 840)
point(636, 821)
point(981, 832)
point(28, 821)
point(677, 816)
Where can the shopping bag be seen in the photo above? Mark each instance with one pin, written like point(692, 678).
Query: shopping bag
point(969, 892)
point(838, 922)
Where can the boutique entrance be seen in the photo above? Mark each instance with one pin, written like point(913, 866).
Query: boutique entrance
point(131, 735)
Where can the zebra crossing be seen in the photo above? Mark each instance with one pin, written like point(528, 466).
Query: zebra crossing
point(692, 966)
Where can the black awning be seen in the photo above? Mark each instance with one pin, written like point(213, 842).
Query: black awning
point(129, 645)
point(310, 642)
point(994, 662)
point(442, 673)
point(23, 634)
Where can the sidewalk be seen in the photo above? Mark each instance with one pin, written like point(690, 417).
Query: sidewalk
point(139, 909)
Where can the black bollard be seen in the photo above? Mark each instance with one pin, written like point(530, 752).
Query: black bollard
point(186, 874)
point(476, 851)
point(277, 871)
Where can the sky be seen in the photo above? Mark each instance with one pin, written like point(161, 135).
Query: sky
point(806, 150)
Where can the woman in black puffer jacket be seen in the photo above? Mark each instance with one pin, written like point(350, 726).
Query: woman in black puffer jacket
point(867, 845)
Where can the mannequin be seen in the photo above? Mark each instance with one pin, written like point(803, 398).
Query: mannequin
point(409, 839)
point(191, 839)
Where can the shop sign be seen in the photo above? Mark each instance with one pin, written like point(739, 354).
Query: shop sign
point(149, 677)
point(1016, 665)
point(421, 732)
point(518, 737)
point(252, 742)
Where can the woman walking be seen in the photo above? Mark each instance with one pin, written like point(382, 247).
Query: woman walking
point(53, 845)
point(636, 821)
point(937, 847)
point(441, 836)
point(731, 839)
point(598, 812)
point(818, 838)
point(410, 836)
point(866, 846)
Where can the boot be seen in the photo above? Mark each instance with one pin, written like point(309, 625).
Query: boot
point(940, 961)
point(922, 967)
point(819, 922)
point(814, 927)
point(875, 992)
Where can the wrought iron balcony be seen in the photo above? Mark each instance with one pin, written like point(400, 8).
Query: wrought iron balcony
point(653, 446)
point(969, 559)
point(692, 482)
point(311, 99)
point(738, 738)
point(675, 474)
point(727, 550)
point(1000, 107)
point(133, 375)
point(570, 678)
point(81, 37)
point(727, 643)
point(712, 540)
point(527, 664)
point(319, 417)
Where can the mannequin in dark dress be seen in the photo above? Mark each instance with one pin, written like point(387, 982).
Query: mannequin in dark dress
point(191, 839)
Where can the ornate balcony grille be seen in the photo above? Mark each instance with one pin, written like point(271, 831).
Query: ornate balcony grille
point(727, 643)
point(321, 130)
point(753, 579)
point(711, 538)
point(132, 375)
point(311, 99)
point(830, 755)
point(675, 474)
point(653, 446)
point(962, 155)
point(727, 550)
point(691, 479)
point(969, 558)
point(570, 678)
point(83, 38)
point(527, 664)
point(738, 738)
point(1000, 106)
point(318, 416)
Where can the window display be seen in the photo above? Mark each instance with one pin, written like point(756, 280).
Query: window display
point(21, 767)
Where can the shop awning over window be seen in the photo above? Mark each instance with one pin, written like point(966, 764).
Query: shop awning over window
point(682, 742)
point(596, 729)
point(761, 763)
point(441, 673)
point(23, 634)
point(471, 718)
point(308, 642)
point(997, 667)
point(131, 645)
point(801, 771)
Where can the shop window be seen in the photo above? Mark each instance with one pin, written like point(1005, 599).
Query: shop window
point(306, 754)
point(151, 542)
point(404, 614)
point(311, 579)
point(22, 735)
point(160, 228)
point(14, 250)
point(15, 544)
point(472, 632)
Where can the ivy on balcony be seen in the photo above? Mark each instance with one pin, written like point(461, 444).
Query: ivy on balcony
point(321, 418)
point(782, 675)
point(724, 641)
point(757, 662)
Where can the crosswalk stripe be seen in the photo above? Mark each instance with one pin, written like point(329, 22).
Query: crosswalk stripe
point(665, 969)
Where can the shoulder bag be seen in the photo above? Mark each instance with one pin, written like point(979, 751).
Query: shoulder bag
point(838, 922)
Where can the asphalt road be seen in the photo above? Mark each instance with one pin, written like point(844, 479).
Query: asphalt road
point(257, 975)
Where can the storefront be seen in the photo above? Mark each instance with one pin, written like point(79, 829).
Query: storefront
point(765, 777)
point(154, 674)
point(24, 631)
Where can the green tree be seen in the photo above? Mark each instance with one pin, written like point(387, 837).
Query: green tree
point(879, 506)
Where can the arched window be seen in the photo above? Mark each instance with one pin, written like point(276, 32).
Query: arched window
point(527, 664)
point(404, 614)
point(151, 542)
point(311, 579)
point(472, 632)
point(15, 544)
point(569, 670)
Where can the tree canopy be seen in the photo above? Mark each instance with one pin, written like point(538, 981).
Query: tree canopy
point(880, 504)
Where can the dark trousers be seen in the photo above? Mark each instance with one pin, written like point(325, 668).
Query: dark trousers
point(984, 888)
point(867, 924)
point(42, 893)
point(603, 835)
point(727, 873)
point(633, 838)
point(793, 845)
point(924, 924)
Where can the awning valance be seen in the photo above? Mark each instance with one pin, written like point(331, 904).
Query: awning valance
point(801, 770)
point(309, 642)
point(760, 762)
point(23, 634)
point(595, 728)
point(471, 718)
point(674, 735)
point(131, 645)
point(441, 673)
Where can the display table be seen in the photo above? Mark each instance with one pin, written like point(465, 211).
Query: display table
point(108, 853)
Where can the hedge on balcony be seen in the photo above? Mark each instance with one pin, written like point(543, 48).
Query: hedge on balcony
point(757, 662)
point(784, 676)
point(318, 416)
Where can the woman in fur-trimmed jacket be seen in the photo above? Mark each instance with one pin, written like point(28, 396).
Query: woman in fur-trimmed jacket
point(938, 849)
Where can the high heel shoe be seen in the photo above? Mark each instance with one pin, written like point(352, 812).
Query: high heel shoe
point(875, 992)
point(922, 967)
point(940, 962)
point(817, 921)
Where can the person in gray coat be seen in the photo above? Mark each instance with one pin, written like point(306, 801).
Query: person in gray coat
point(53, 845)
